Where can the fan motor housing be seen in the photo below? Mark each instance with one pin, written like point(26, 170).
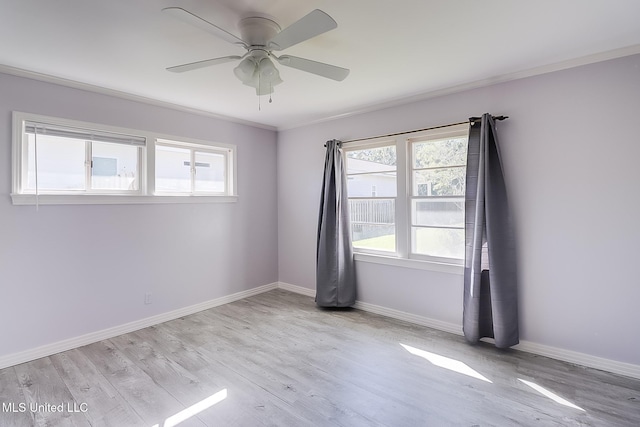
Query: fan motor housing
point(257, 31)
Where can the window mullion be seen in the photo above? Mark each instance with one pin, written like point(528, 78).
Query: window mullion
point(88, 166)
point(147, 168)
point(193, 171)
point(402, 202)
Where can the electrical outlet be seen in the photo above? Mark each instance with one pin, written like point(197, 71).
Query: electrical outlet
point(147, 298)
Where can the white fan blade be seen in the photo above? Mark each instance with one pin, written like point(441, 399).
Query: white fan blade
point(314, 67)
point(311, 25)
point(203, 24)
point(202, 64)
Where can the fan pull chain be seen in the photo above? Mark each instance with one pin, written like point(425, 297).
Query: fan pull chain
point(270, 92)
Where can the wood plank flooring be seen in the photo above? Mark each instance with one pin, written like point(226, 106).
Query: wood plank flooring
point(275, 359)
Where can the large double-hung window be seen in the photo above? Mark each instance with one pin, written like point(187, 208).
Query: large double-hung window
point(406, 194)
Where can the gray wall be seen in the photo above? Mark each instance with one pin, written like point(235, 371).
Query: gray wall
point(571, 153)
point(70, 270)
point(570, 149)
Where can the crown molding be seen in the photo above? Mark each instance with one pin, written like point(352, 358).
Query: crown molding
point(476, 84)
point(47, 78)
point(389, 103)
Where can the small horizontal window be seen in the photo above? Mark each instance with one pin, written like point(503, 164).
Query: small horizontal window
point(175, 173)
point(59, 159)
point(66, 162)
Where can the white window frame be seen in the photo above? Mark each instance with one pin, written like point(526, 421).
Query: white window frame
point(75, 128)
point(399, 206)
point(194, 148)
point(418, 137)
point(404, 178)
point(146, 158)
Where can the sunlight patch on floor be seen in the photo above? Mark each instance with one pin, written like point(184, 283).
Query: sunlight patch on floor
point(446, 363)
point(193, 410)
point(550, 394)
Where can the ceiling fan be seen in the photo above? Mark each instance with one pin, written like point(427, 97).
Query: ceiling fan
point(261, 36)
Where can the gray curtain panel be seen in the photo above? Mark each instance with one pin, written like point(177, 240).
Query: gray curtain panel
point(335, 270)
point(490, 276)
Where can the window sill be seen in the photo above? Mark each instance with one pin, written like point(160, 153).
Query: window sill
point(410, 263)
point(102, 199)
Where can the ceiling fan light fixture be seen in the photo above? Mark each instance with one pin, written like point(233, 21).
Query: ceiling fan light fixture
point(268, 72)
point(260, 74)
point(266, 68)
point(246, 71)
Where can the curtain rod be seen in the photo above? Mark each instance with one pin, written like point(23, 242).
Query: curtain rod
point(471, 120)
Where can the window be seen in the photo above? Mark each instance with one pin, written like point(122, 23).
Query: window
point(63, 159)
point(438, 169)
point(372, 189)
point(190, 169)
point(59, 161)
point(406, 194)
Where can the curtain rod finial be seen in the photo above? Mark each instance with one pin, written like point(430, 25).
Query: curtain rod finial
point(338, 143)
point(473, 120)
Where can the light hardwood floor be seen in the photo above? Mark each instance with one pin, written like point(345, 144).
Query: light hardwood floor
point(276, 359)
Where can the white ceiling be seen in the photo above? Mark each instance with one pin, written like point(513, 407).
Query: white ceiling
point(395, 49)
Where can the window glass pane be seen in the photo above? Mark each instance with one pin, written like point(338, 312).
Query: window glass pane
point(61, 163)
point(439, 182)
point(115, 167)
point(372, 224)
point(371, 174)
point(372, 185)
point(438, 212)
point(440, 153)
point(173, 169)
point(379, 159)
point(440, 242)
point(210, 172)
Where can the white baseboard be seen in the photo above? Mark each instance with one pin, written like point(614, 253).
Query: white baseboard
point(71, 343)
point(297, 289)
point(583, 359)
point(577, 358)
point(383, 311)
point(411, 318)
point(621, 368)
